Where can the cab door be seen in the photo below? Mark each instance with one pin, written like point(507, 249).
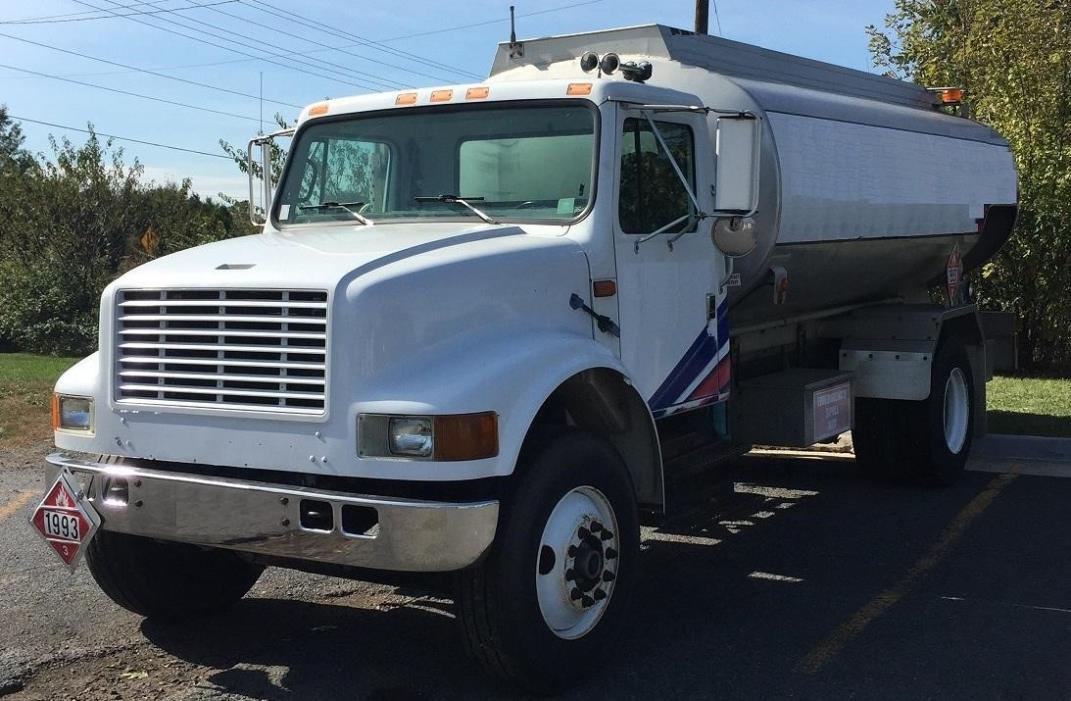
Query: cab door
point(674, 334)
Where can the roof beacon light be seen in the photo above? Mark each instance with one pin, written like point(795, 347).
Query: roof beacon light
point(952, 96)
point(589, 61)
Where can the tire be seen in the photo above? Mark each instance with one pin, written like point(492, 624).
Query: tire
point(874, 436)
point(167, 581)
point(911, 441)
point(555, 526)
point(940, 428)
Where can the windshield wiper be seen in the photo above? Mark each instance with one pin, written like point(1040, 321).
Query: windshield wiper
point(454, 199)
point(341, 205)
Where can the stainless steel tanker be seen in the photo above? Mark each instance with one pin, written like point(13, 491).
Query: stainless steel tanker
point(866, 184)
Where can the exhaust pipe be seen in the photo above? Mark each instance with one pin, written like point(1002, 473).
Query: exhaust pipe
point(702, 16)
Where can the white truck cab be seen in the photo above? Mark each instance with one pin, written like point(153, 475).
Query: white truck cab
point(479, 315)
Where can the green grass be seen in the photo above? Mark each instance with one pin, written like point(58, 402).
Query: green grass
point(1029, 406)
point(25, 368)
point(26, 383)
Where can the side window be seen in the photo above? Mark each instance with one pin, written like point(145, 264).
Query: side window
point(651, 195)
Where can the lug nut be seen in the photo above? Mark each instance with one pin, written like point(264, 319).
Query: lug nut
point(575, 595)
point(599, 594)
point(596, 527)
point(571, 552)
point(570, 575)
point(607, 535)
point(587, 601)
point(611, 554)
point(608, 576)
point(583, 533)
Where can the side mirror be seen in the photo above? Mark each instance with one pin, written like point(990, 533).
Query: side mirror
point(265, 175)
point(737, 146)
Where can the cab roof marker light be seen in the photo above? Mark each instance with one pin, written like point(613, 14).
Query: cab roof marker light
point(318, 109)
point(406, 98)
point(442, 95)
point(578, 89)
point(480, 93)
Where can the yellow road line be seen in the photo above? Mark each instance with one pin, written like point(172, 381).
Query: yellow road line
point(831, 646)
point(20, 500)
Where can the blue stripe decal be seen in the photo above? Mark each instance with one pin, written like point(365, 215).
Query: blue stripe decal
point(695, 359)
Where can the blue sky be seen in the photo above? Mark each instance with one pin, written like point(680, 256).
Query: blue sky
point(420, 53)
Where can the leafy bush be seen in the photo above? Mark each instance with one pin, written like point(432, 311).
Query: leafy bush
point(72, 223)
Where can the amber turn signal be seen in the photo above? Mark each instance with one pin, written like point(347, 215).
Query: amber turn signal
point(604, 288)
point(55, 411)
point(466, 436)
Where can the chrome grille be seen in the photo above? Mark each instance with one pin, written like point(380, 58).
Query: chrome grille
point(255, 350)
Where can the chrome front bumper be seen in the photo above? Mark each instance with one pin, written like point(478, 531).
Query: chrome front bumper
point(258, 517)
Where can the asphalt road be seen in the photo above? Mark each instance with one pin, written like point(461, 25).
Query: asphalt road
point(790, 577)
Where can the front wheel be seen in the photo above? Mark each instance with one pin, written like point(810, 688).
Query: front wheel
point(542, 609)
point(168, 581)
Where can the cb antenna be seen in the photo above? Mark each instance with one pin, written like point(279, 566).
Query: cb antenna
point(516, 50)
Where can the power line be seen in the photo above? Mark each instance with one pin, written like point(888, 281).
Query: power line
point(141, 3)
point(379, 46)
point(248, 58)
point(717, 19)
point(346, 73)
point(120, 138)
point(58, 19)
point(458, 27)
point(146, 71)
point(127, 92)
point(319, 43)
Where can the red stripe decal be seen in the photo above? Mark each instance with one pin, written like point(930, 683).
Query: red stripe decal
point(712, 383)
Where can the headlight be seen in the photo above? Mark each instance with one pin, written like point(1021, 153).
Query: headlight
point(443, 438)
point(72, 413)
point(410, 435)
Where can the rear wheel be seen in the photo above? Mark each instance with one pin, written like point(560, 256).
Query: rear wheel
point(927, 440)
point(167, 581)
point(940, 428)
point(874, 436)
point(542, 609)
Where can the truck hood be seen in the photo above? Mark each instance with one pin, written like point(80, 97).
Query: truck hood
point(310, 257)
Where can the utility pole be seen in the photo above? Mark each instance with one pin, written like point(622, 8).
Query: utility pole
point(702, 16)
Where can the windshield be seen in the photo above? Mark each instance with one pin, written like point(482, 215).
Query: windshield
point(514, 162)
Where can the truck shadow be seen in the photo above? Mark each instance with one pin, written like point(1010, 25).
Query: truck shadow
point(769, 557)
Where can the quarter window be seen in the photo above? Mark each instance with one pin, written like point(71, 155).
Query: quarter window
point(651, 195)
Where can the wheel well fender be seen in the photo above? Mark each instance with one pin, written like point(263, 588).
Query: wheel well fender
point(601, 401)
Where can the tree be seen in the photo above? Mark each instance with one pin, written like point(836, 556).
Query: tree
point(240, 156)
point(71, 223)
point(1013, 58)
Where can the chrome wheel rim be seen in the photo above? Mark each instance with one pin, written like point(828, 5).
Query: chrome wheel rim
point(956, 411)
point(577, 562)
